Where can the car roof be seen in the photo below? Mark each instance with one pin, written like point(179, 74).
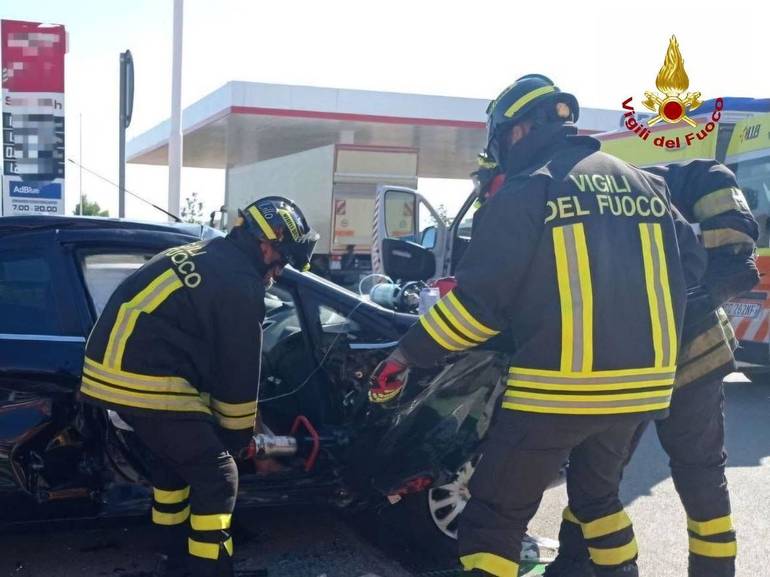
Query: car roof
point(14, 224)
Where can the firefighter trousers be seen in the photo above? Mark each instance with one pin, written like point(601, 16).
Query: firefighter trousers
point(521, 457)
point(195, 484)
point(693, 437)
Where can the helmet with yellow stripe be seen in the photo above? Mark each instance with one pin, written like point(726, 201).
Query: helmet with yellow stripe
point(532, 97)
point(279, 221)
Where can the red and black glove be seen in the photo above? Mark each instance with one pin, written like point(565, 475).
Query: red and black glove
point(389, 378)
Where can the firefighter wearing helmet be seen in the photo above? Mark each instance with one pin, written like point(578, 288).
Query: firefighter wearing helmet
point(176, 353)
point(706, 192)
point(592, 298)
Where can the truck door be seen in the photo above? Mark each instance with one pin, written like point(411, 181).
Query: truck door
point(460, 233)
point(414, 229)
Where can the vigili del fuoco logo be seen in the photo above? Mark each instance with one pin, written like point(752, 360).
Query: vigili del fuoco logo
point(672, 104)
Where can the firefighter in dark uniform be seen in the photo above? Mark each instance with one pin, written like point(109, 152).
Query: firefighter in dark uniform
point(176, 352)
point(693, 435)
point(578, 256)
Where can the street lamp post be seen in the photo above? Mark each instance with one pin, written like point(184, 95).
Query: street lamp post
point(175, 136)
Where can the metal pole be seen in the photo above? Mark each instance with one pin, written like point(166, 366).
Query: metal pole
point(80, 159)
point(122, 140)
point(175, 136)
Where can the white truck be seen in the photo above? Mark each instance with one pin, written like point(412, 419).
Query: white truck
point(335, 186)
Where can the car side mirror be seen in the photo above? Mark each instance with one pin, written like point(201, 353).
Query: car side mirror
point(407, 261)
point(428, 237)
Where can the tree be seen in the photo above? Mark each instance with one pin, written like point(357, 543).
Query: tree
point(193, 209)
point(443, 215)
point(90, 208)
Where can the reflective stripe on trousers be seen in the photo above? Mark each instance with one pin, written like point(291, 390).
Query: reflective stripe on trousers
point(610, 539)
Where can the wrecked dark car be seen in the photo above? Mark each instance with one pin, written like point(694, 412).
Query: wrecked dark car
point(61, 459)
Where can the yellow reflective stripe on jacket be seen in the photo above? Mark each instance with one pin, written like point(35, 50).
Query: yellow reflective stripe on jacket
point(491, 563)
point(709, 549)
point(464, 313)
point(573, 274)
point(718, 202)
point(236, 423)
point(234, 416)
point(528, 97)
point(447, 332)
point(208, 550)
point(429, 324)
point(588, 404)
point(614, 555)
point(456, 313)
point(146, 301)
point(234, 409)
point(126, 398)
point(705, 341)
point(717, 237)
point(135, 381)
point(591, 380)
point(573, 409)
point(170, 497)
point(591, 376)
point(698, 367)
point(611, 392)
point(169, 519)
point(459, 326)
point(606, 525)
point(266, 228)
point(664, 336)
point(453, 327)
point(216, 522)
point(568, 396)
point(711, 527)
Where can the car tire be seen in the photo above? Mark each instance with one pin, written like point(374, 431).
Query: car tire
point(423, 526)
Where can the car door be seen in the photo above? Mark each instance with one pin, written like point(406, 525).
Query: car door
point(41, 336)
point(408, 231)
point(405, 216)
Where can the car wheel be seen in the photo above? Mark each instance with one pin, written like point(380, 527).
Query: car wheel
point(428, 521)
point(445, 503)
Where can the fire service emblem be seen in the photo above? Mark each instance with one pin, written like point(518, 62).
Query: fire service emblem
point(672, 103)
point(672, 81)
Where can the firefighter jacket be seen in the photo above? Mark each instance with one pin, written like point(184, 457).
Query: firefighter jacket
point(578, 260)
point(181, 337)
point(706, 193)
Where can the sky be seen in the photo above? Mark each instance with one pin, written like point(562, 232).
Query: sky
point(602, 52)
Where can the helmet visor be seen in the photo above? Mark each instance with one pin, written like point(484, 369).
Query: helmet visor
point(297, 253)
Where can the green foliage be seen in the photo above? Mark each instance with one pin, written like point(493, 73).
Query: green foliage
point(192, 211)
point(442, 213)
point(90, 208)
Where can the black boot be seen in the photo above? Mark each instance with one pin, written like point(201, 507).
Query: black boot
point(627, 570)
point(565, 566)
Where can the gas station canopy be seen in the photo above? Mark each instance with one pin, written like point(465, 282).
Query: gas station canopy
point(246, 122)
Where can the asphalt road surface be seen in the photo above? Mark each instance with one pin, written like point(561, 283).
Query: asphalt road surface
point(315, 543)
point(288, 543)
point(659, 519)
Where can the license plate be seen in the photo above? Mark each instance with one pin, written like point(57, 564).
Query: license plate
point(743, 310)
